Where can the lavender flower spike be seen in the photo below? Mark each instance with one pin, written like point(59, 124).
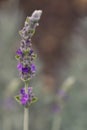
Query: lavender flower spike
point(25, 54)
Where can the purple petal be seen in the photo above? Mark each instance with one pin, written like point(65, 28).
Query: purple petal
point(25, 69)
point(30, 90)
point(22, 91)
point(19, 52)
point(24, 99)
point(19, 66)
point(33, 68)
point(31, 51)
point(28, 41)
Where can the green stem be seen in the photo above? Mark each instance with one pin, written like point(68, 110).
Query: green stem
point(57, 121)
point(26, 118)
point(26, 112)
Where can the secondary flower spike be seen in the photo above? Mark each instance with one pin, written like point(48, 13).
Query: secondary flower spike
point(25, 54)
point(26, 98)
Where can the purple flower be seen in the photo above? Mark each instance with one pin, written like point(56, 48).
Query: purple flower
point(30, 90)
point(26, 97)
point(25, 53)
point(33, 68)
point(25, 56)
point(25, 70)
point(19, 52)
point(19, 66)
point(31, 51)
point(28, 41)
point(22, 91)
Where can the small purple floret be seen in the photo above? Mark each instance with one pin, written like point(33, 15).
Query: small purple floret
point(19, 66)
point(33, 68)
point(26, 97)
point(25, 69)
point(22, 91)
point(30, 90)
point(28, 41)
point(19, 52)
point(31, 51)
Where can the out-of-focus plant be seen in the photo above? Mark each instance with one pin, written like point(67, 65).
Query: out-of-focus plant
point(26, 67)
point(60, 98)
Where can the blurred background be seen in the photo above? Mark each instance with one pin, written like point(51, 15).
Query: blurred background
point(61, 79)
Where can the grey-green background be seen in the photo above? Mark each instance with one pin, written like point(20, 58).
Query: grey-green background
point(42, 114)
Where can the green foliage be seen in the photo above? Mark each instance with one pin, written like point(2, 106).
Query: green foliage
point(17, 57)
point(17, 98)
point(34, 100)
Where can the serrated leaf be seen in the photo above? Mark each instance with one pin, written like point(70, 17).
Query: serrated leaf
point(17, 98)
